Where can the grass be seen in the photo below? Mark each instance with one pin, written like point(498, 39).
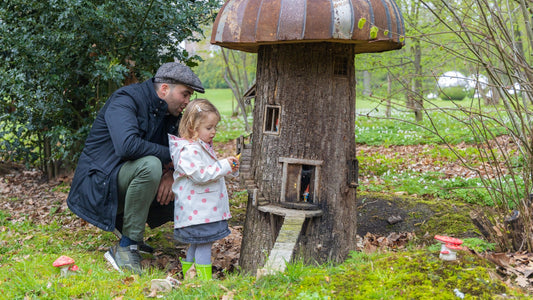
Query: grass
point(28, 250)
point(223, 99)
point(26, 273)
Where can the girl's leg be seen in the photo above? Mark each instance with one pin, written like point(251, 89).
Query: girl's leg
point(202, 255)
point(191, 253)
point(203, 261)
point(188, 261)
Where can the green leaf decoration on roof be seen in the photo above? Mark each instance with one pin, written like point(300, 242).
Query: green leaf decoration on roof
point(374, 32)
point(361, 23)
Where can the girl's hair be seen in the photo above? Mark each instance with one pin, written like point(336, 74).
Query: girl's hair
point(194, 114)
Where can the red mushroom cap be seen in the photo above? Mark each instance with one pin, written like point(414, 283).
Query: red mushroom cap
point(453, 247)
point(63, 261)
point(448, 240)
point(74, 268)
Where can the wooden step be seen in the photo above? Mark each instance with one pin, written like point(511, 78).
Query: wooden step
point(282, 251)
point(288, 235)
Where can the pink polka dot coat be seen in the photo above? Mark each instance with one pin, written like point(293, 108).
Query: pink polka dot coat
point(199, 186)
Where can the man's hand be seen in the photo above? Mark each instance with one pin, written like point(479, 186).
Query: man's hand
point(164, 192)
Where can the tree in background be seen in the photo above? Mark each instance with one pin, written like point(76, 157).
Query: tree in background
point(211, 71)
point(63, 58)
point(402, 71)
point(496, 37)
point(410, 74)
point(239, 74)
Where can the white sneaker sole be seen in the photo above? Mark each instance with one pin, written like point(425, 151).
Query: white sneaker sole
point(110, 259)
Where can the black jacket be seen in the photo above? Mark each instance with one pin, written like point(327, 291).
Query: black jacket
point(133, 123)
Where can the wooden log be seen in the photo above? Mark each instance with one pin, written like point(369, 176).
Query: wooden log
point(490, 231)
point(484, 225)
point(514, 225)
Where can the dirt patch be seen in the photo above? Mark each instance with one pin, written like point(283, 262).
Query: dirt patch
point(382, 214)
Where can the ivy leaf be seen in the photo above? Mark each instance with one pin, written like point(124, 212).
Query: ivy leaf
point(361, 23)
point(386, 32)
point(402, 38)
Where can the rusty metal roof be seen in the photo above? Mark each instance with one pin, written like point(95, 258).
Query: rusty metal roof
point(247, 24)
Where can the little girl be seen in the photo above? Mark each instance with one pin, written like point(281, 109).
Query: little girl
point(201, 206)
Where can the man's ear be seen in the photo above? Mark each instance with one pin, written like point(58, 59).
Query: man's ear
point(164, 89)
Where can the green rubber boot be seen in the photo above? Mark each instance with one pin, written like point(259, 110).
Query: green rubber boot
point(204, 272)
point(185, 266)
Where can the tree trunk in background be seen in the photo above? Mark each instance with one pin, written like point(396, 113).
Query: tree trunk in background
point(235, 81)
point(315, 94)
point(418, 104)
point(389, 95)
point(367, 89)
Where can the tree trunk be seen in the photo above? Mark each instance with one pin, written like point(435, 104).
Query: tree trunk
point(312, 86)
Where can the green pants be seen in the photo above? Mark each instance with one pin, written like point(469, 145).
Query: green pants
point(138, 182)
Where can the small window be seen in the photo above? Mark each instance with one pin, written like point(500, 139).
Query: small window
point(272, 115)
point(340, 66)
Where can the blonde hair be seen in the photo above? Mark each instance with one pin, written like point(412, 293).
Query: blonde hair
point(193, 116)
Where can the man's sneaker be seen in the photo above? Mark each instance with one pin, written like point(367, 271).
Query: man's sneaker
point(143, 247)
point(124, 258)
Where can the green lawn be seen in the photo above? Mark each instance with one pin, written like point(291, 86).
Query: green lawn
point(28, 250)
point(223, 99)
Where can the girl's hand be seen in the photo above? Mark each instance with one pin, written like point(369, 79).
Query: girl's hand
point(234, 162)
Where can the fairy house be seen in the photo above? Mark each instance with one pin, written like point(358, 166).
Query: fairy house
point(302, 174)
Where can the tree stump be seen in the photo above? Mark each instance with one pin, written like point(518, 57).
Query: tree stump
point(303, 136)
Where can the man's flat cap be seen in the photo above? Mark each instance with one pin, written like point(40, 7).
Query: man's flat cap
point(177, 73)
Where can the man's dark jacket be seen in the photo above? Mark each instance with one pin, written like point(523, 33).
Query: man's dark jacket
point(132, 124)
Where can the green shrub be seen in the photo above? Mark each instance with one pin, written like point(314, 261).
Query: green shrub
point(452, 93)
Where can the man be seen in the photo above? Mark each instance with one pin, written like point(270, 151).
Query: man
point(124, 175)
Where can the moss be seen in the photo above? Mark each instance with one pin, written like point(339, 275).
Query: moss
point(412, 275)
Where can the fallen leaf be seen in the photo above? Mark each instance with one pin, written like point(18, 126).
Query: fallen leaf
point(522, 281)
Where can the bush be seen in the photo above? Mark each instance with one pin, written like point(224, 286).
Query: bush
point(452, 93)
point(62, 59)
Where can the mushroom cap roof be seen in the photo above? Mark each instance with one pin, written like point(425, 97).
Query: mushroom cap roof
point(63, 261)
point(247, 24)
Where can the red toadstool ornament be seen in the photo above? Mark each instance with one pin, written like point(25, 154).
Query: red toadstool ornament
point(65, 264)
point(449, 248)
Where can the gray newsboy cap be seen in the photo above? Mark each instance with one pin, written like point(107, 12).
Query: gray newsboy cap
point(177, 73)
